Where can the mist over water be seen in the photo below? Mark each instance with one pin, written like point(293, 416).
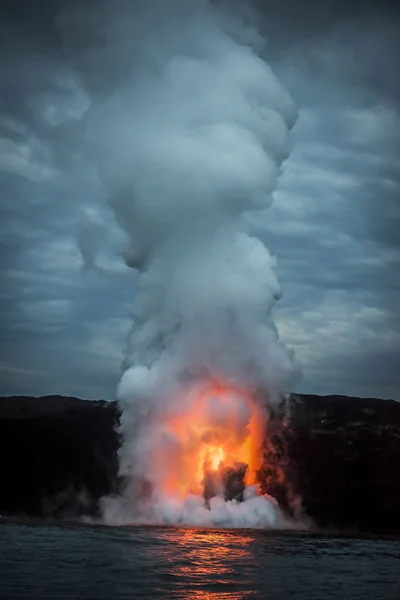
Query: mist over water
point(188, 128)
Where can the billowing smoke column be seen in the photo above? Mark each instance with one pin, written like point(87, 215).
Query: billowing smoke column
point(188, 127)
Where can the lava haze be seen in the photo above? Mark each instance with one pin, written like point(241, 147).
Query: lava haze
point(188, 127)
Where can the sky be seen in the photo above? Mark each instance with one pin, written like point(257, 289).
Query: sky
point(334, 225)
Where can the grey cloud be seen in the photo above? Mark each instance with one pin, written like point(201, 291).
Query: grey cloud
point(334, 226)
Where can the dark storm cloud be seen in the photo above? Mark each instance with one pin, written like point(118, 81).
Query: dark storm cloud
point(334, 226)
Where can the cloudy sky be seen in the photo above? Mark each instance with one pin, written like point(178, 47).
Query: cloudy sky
point(334, 226)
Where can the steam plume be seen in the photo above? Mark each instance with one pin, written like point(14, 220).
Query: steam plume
point(188, 127)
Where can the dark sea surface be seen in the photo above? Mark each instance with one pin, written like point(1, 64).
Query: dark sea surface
point(76, 562)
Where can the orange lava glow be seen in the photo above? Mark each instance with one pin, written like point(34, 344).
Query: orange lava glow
point(216, 427)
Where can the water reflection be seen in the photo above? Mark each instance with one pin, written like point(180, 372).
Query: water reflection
point(64, 562)
point(212, 566)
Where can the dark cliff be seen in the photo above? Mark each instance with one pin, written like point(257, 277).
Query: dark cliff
point(58, 455)
point(340, 455)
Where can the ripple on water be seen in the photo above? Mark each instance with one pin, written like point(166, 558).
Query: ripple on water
point(94, 563)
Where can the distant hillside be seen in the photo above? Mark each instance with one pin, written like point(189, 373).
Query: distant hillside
point(341, 455)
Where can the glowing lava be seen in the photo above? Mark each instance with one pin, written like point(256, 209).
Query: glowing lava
point(217, 428)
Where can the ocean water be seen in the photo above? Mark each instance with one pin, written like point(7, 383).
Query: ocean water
point(76, 562)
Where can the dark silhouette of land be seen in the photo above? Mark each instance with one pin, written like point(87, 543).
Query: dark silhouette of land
point(340, 455)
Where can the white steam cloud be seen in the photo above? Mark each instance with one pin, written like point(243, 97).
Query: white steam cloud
point(188, 127)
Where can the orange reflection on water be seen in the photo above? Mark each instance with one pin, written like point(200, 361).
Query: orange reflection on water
point(208, 565)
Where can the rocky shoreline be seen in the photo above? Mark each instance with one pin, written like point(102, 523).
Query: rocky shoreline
point(335, 459)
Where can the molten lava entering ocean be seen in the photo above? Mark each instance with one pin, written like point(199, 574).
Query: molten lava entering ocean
point(187, 139)
point(199, 464)
point(217, 431)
